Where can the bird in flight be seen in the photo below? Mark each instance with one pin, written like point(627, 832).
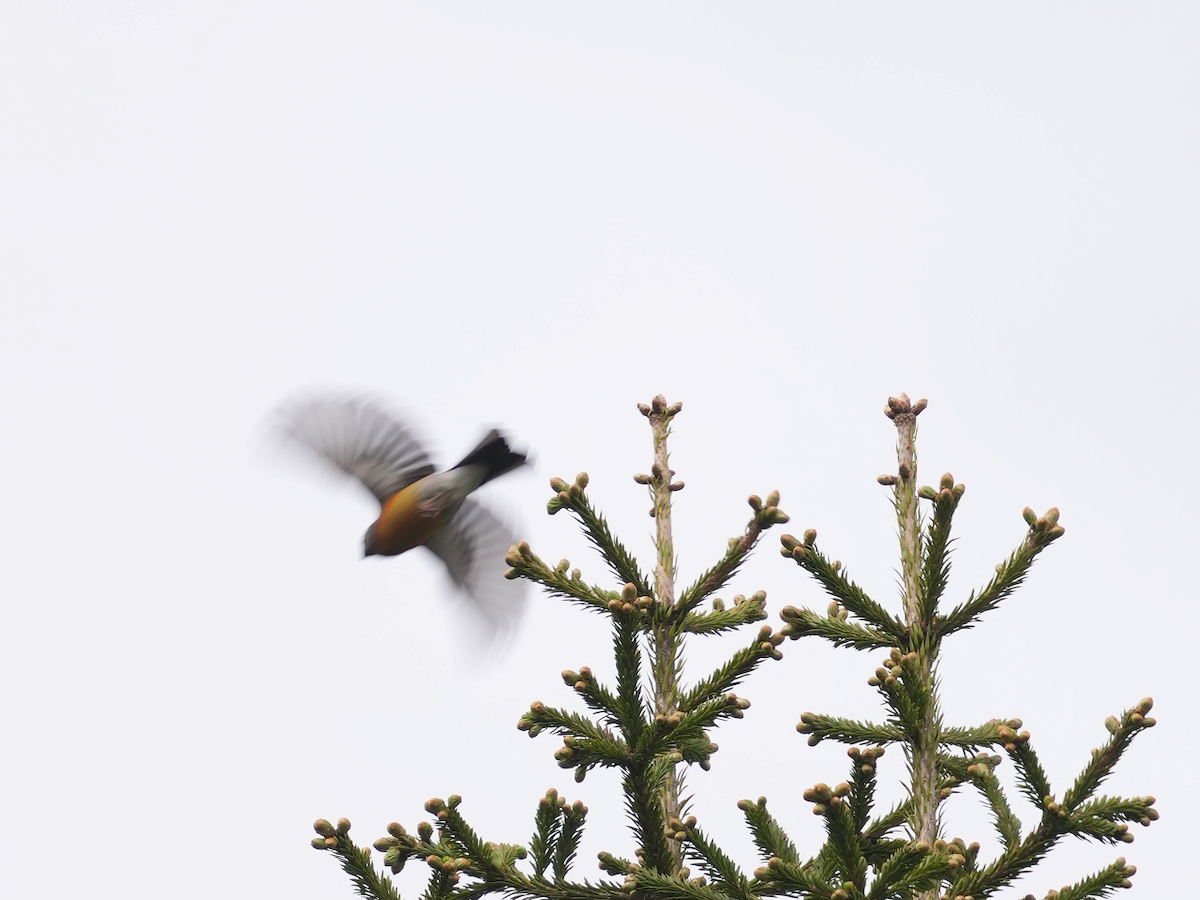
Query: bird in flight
point(420, 506)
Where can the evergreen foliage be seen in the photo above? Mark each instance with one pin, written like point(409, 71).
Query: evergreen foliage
point(651, 727)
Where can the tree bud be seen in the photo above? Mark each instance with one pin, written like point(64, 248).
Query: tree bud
point(558, 485)
point(886, 480)
point(641, 478)
point(323, 828)
point(1030, 516)
point(810, 537)
point(773, 498)
point(819, 793)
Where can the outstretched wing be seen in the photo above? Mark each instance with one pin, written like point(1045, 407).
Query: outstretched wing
point(361, 437)
point(473, 545)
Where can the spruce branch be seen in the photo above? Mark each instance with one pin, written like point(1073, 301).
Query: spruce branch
point(648, 883)
point(681, 727)
point(862, 783)
point(631, 708)
point(524, 563)
point(834, 628)
point(765, 515)
point(1102, 884)
point(955, 769)
point(894, 875)
point(770, 838)
point(598, 698)
point(890, 821)
point(731, 673)
point(847, 731)
point(972, 738)
point(779, 876)
point(1101, 764)
point(833, 579)
point(547, 828)
point(560, 721)
point(843, 846)
point(1119, 809)
point(1043, 531)
point(1031, 776)
point(643, 786)
point(720, 619)
point(569, 838)
point(574, 498)
point(355, 860)
point(1008, 826)
point(935, 570)
point(720, 869)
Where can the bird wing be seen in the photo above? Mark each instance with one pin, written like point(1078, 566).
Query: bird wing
point(361, 437)
point(473, 545)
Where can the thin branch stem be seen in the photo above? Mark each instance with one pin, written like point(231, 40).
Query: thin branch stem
point(666, 638)
point(923, 752)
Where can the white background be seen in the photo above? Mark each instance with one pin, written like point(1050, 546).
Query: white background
point(537, 215)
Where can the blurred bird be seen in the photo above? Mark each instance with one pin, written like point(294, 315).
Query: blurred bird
point(421, 507)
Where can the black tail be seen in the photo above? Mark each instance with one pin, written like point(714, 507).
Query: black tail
point(494, 453)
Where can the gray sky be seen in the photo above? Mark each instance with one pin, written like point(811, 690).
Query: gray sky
point(537, 215)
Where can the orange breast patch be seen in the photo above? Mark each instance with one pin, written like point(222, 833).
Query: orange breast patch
point(408, 520)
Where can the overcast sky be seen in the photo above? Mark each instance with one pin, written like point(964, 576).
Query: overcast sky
point(537, 215)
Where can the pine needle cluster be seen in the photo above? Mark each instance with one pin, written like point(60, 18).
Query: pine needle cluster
point(651, 726)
